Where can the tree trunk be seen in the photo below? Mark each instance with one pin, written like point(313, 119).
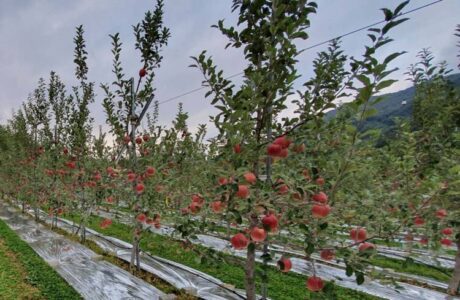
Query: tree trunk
point(250, 272)
point(454, 283)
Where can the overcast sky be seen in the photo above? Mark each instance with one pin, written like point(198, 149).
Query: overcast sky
point(36, 37)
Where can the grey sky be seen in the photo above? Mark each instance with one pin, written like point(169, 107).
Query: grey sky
point(36, 37)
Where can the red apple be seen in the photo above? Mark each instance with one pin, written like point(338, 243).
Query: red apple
point(97, 176)
point(141, 218)
point(327, 254)
point(197, 198)
point(150, 171)
point(366, 247)
point(274, 150)
point(216, 206)
point(446, 242)
point(142, 72)
point(282, 189)
point(358, 234)
point(131, 177)
point(283, 153)
point(441, 213)
point(138, 140)
point(418, 221)
point(140, 188)
point(271, 222)
point(109, 199)
point(258, 234)
point(105, 223)
point(447, 231)
point(423, 241)
point(320, 197)
point(237, 148)
point(320, 211)
point(243, 191)
point(146, 137)
point(239, 241)
point(320, 181)
point(127, 139)
point(315, 284)
point(250, 177)
point(282, 141)
point(284, 264)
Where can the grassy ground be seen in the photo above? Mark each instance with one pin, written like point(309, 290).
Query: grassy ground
point(281, 286)
point(24, 275)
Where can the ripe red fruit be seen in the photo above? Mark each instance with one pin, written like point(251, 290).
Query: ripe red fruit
point(66, 151)
point(71, 165)
point(131, 177)
point(315, 284)
point(271, 222)
point(283, 153)
point(366, 246)
point(194, 207)
point(237, 148)
point(320, 181)
point(320, 211)
point(138, 140)
point(141, 218)
point(239, 241)
point(424, 241)
point(441, 213)
point(142, 72)
point(327, 254)
point(222, 181)
point(320, 197)
point(97, 176)
point(283, 141)
point(216, 206)
point(446, 242)
point(258, 234)
point(140, 188)
point(127, 139)
point(419, 221)
point(282, 189)
point(197, 198)
point(150, 171)
point(250, 177)
point(146, 137)
point(447, 231)
point(274, 149)
point(109, 199)
point(105, 223)
point(243, 191)
point(284, 264)
point(358, 234)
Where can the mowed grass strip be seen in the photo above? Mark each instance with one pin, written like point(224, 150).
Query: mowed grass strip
point(281, 285)
point(25, 275)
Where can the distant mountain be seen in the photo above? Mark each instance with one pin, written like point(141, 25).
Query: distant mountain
point(393, 105)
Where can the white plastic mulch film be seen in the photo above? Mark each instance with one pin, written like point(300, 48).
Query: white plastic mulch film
point(90, 276)
point(329, 271)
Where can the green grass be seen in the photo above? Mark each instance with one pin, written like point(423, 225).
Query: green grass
point(24, 275)
point(281, 286)
point(438, 273)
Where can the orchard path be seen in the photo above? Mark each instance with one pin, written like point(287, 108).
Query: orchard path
point(90, 276)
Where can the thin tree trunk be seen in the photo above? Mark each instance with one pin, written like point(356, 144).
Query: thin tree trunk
point(250, 268)
point(454, 283)
point(250, 272)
